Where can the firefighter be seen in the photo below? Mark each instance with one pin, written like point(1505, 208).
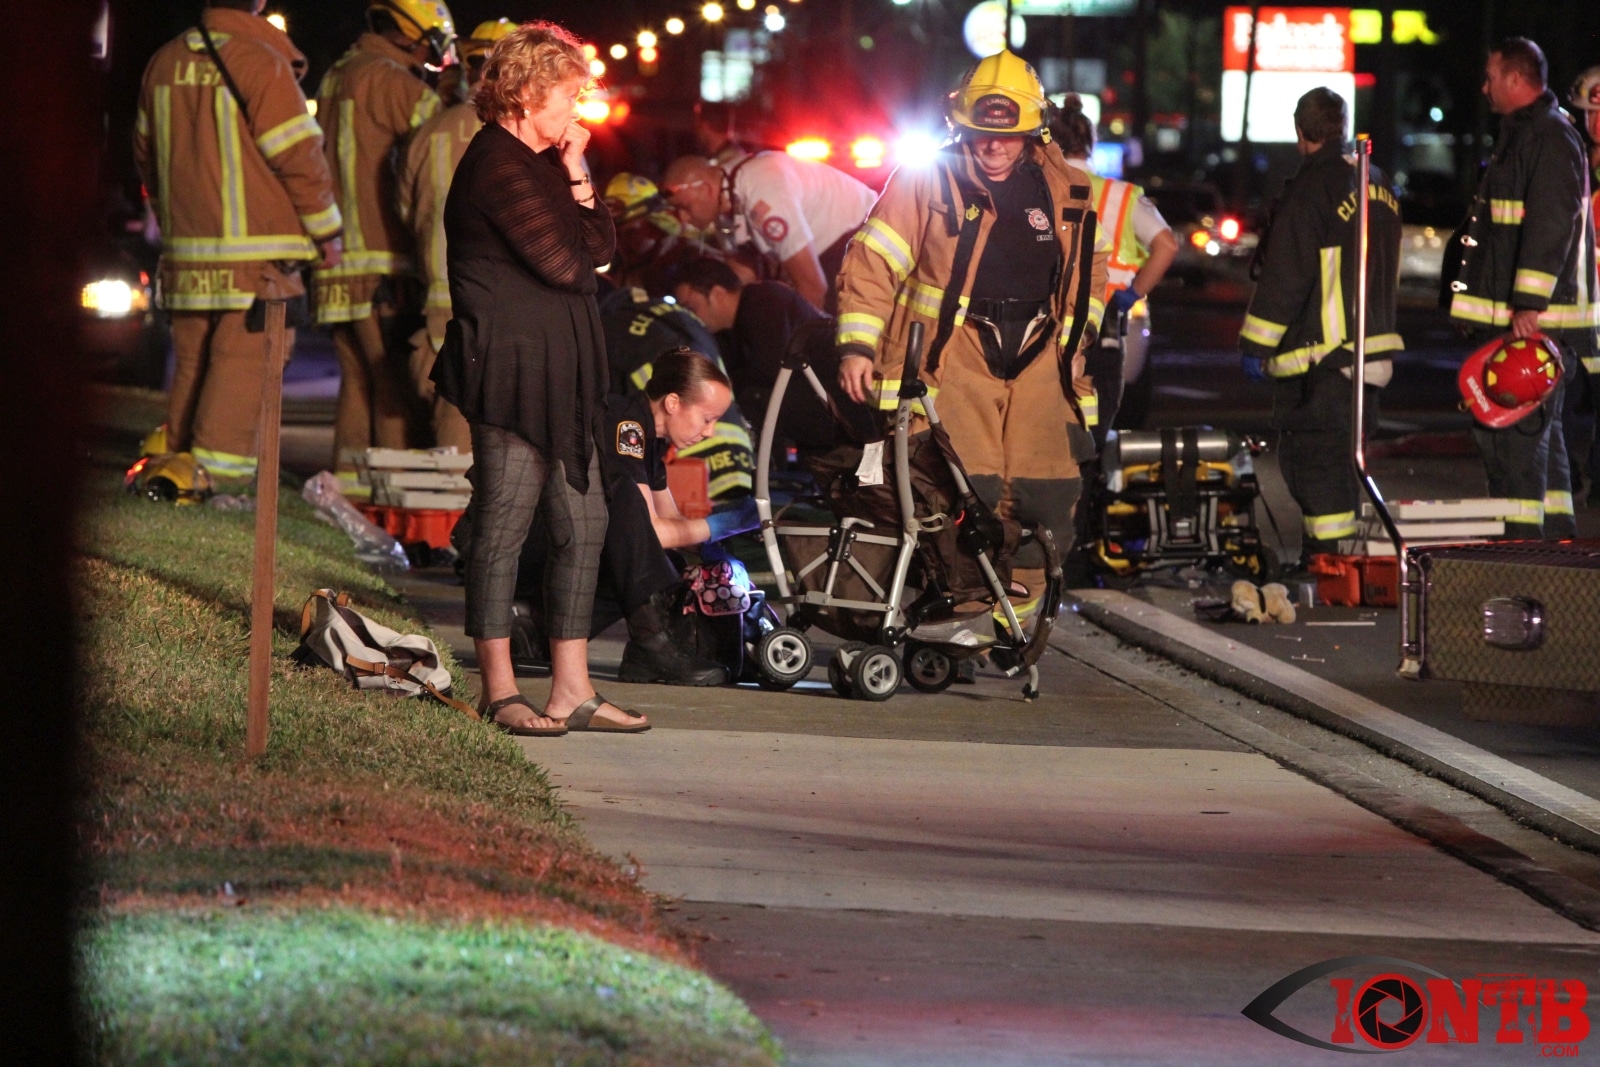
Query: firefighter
point(1142, 249)
point(650, 238)
point(715, 132)
point(234, 169)
point(430, 163)
point(369, 102)
point(1527, 264)
point(638, 330)
point(995, 250)
point(1582, 405)
point(1300, 326)
point(797, 213)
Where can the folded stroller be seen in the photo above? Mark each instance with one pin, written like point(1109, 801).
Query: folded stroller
point(913, 572)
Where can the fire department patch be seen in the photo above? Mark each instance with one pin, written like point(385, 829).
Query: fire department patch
point(1038, 219)
point(774, 228)
point(630, 439)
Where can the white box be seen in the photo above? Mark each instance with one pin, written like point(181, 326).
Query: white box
point(417, 459)
point(436, 481)
point(1432, 510)
point(421, 498)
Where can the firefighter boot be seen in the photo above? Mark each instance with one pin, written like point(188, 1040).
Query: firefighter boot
point(661, 646)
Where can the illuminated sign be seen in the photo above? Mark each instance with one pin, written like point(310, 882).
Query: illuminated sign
point(1366, 26)
point(1297, 49)
point(1289, 38)
point(1411, 27)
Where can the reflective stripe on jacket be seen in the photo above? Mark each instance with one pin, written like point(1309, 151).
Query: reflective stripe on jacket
point(230, 194)
point(430, 163)
point(898, 264)
point(1114, 201)
point(1303, 309)
point(368, 103)
point(1524, 246)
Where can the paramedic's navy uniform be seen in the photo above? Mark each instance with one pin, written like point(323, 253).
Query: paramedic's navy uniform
point(633, 565)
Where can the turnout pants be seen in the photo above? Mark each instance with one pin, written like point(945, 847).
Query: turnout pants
point(633, 565)
point(373, 407)
point(1012, 439)
point(447, 426)
point(1579, 415)
point(215, 402)
point(1312, 414)
point(1527, 463)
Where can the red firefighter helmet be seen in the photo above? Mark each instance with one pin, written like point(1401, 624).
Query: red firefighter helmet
point(1505, 380)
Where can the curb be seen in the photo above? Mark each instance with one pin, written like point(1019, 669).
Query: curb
point(1530, 798)
point(1561, 893)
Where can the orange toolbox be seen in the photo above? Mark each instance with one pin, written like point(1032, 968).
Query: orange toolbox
point(1357, 581)
point(410, 525)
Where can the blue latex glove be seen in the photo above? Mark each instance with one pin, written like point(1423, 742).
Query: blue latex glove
point(1255, 368)
point(737, 519)
point(1121, 302)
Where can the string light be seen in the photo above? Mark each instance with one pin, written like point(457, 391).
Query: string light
point(619, 51)
point(597, 68)
point(674, 26)
point(279, 21)
point(646, 39)
point(648, 55)
point(712, 12)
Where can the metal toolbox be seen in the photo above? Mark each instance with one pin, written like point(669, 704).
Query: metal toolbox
point(1510, 618)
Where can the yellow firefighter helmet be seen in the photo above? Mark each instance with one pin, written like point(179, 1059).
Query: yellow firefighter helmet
point(1585, 94)
point(485, 37)
point(630, 196)
point(1000, 95)
point(170, 478)
point(421, 20)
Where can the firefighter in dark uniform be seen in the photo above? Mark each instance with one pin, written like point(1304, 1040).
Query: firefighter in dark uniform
point(1527, 264)
point(638, 330)
point(680, 405)
point(1299, 331)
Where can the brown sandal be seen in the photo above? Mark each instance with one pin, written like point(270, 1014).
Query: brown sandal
point(582, 719)
point(488, 710)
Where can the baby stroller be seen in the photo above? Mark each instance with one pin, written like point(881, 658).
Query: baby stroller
point(902, 567)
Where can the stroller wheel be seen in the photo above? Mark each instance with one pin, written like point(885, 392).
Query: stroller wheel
point(839, 667)
point(875, 673)
point(927, 669)
point(783, 657)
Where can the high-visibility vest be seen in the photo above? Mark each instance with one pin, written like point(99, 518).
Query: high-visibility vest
point(1114, 201)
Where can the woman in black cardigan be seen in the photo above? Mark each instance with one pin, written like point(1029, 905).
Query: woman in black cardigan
point(524, 359)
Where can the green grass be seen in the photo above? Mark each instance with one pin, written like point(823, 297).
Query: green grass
point(352, 897)
point(339, 987)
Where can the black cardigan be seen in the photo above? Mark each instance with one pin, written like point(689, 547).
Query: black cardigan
point(526, 349)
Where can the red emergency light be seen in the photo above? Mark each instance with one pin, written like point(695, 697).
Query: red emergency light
point(813, 149)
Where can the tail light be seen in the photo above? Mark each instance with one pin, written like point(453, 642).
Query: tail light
point(814, 149)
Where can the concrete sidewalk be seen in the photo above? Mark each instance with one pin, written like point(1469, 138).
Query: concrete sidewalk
point(961, 879)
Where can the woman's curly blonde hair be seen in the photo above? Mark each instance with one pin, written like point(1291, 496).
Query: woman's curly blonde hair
point(524, 66)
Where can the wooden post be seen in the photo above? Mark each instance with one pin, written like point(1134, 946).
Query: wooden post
point(277, 354)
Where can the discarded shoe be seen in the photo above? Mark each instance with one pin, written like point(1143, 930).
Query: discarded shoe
point(1275, 599)
point(1245, 600)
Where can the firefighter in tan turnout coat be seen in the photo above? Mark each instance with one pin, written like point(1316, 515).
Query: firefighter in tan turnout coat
point(234, 169)
point(369, 102)
point(994, 249)
point(430, 163)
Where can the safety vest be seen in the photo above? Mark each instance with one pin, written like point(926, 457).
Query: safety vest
point(1114, 201)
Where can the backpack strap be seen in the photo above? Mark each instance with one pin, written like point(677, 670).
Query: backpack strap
point(967, 238)
point(398, 674)
point(222, 68)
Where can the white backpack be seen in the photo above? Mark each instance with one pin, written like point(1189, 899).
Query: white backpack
point(370, 654)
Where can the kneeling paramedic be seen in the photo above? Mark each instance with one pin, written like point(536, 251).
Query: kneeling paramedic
point(1300, 327)
point(638, 580)
point(993, 247)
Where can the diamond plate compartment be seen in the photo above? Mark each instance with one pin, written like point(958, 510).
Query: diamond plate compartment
point(1564, 577)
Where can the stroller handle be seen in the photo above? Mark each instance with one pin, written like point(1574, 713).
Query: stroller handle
point(911, 385)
